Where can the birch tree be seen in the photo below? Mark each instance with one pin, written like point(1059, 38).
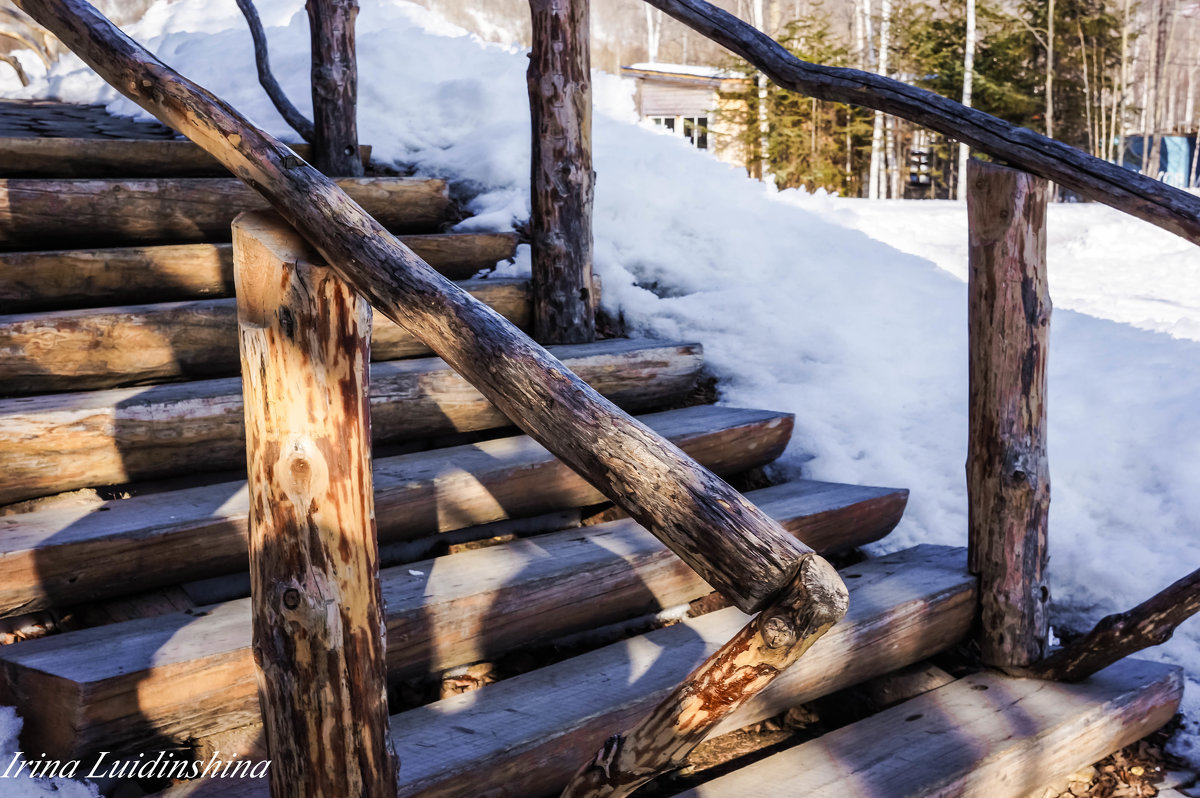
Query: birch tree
point(964, 151)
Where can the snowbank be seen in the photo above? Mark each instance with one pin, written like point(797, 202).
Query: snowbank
point(849, 314)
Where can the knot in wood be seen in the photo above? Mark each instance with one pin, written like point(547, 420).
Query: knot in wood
point(777, 632)
point(291, 598)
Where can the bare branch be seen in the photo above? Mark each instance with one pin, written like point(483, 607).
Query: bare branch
point(279, 99)
point(12, 61)
point(1150, 623)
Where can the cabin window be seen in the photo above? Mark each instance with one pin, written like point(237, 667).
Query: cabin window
point(692, 128)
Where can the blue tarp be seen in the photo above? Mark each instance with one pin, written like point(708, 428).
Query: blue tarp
point(1174, 157)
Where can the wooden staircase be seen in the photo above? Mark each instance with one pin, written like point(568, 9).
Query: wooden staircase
point(123, 539)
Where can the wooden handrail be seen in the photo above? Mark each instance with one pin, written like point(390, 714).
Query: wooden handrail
point(1127, 191)
point(729, 542)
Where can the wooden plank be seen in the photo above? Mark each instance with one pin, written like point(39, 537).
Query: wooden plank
point(984, 736)
point(85, 552)
point(177, 675)
point(318, 619)
point(1008, 474)
point(60, 442)
point(109, 158)
point(80, 350)
point(78, 213)
point(526, 735)
point(52, 280)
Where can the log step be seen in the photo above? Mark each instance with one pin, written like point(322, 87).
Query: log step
point(59, 442)
point(64, 555)
point(526, 735)
point(60, 279)
point(184, 675)
point(92, 157)
point(984, 736)
point(81, 350)
point(35, 214)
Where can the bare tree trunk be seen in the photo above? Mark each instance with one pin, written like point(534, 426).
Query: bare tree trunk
point(964, 150)
point(764, 126)
point(653, 33)
point(560, 104)
point(1087, 90)
point(1050, 70)
point(334, 87)
point(1117, 127)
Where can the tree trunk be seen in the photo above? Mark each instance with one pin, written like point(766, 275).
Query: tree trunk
point(560, 103)
point(1050, 70)
point(730, 543)
point(314, 559)
point(334, 86)
point(1008, 480)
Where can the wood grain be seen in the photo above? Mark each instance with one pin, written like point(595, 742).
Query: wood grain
point(82, 350)
point(983, 736)
point(61, 279)
point(65, 555)
point(98, 158)
point(559, 79)
point(183, 675)
point(314, 557)
point(37, 214)
point(1008, 475)
point(57, 442)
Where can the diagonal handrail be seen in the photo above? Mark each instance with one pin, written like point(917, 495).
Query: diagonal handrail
point(1127, 191)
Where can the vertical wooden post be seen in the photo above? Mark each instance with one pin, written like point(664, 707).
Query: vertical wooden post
point(1008, 480)
point(318, 620)
point(560, 105)
point(334, 87)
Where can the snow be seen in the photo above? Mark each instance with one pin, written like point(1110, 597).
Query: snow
point(694, 70)
point(850, 314)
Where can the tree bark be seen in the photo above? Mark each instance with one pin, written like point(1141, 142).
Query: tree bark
point(737, 672)
point(1008, 480)
point(1151, 200)
point(729, 542)
point(1150, 623)
point(334, 86)
point(314, 558)
point(560, 105)
point(964, 149)
point(290, 113)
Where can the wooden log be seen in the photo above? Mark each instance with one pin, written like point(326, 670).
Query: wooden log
point(57, 442)
point(983, 736)
point(334, 86)
point(122, 158)
point(731, 544)
point(184, 675)
point(80, 350)
point(741, 669)
point(83, 213)
point(1008, 479)
point(560, 105)
point(65, 555)
point(1150, 623)
point(54, 280)
point(1144, 197)
point(314, 558)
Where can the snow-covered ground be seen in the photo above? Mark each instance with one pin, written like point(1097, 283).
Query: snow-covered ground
point(850, 314)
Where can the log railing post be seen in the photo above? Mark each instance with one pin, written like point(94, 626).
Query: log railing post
point(318, 619)
point(560, 107)
point(1008, 480)
point(334, 87)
